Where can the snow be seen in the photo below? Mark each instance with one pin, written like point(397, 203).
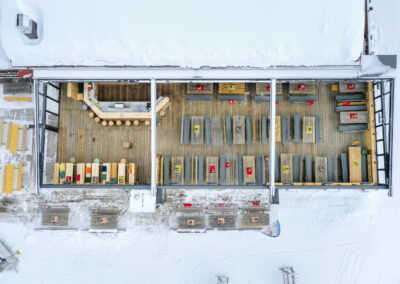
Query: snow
point(348, 236)
point(328, 237)
point(221, 33)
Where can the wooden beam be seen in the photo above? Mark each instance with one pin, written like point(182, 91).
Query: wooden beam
point(14, 138)
point(19, 176)
point(370, 134)
point(23, 146)
point(355, 164)
point(23, 99)
point(1, 131)
point(9, 135)
point(56, 173)
point(9, 183)
point(3, 189)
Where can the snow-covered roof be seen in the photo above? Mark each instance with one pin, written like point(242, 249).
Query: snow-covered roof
point(236, 33)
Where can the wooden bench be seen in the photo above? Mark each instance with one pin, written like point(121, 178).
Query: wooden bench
point(297, 168)
point(345, 167)
point(350, 98)
point(198, 170)
point(286, 131)
point(8, 179)
point(249, 130)
point(264, 129)
point(228, 130)
point(266, 99)
point(353, 127)
point(185, 130)
point(260, 170)
point(188, 170)
point(309, 168)
point(208, 131)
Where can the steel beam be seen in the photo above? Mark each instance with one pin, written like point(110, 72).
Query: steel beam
point(153, 126)
point(272, 107)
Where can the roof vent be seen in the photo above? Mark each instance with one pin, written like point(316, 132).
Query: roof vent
point(27, 26)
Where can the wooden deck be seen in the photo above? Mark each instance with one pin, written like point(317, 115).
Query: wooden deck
point(81, 137)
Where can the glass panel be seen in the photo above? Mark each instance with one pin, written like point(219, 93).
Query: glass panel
point(53, 92)
point(381, 177)
point(378, 104)
point(50, 156)
point(378, 118)
point(379, 147)
point(52, 120)
point(377, 90)
point(379, 132)
point(381, 162)
point(51, 106)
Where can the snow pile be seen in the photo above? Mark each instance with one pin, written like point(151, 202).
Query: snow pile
point(238, 33)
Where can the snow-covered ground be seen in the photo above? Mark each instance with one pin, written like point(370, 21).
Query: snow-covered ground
point(328, 237)
point(257, 33)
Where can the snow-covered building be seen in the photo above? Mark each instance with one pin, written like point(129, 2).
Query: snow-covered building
point(185, 99)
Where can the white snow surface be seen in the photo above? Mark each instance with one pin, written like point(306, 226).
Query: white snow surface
point(235, 33)
point(328, 237)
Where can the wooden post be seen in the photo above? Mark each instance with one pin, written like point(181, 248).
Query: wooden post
point(147, 122)
point(128, 123)
point(91, 114)
point(97, 119)
point(104, 123)
point(162, 113)
point(118, 122)
point(136, 122)
point(110, 123)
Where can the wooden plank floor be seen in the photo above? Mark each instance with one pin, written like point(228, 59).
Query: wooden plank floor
point(82, 138)
point(332, 143)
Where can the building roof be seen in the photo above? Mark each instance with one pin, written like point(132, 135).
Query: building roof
point(223, 33)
